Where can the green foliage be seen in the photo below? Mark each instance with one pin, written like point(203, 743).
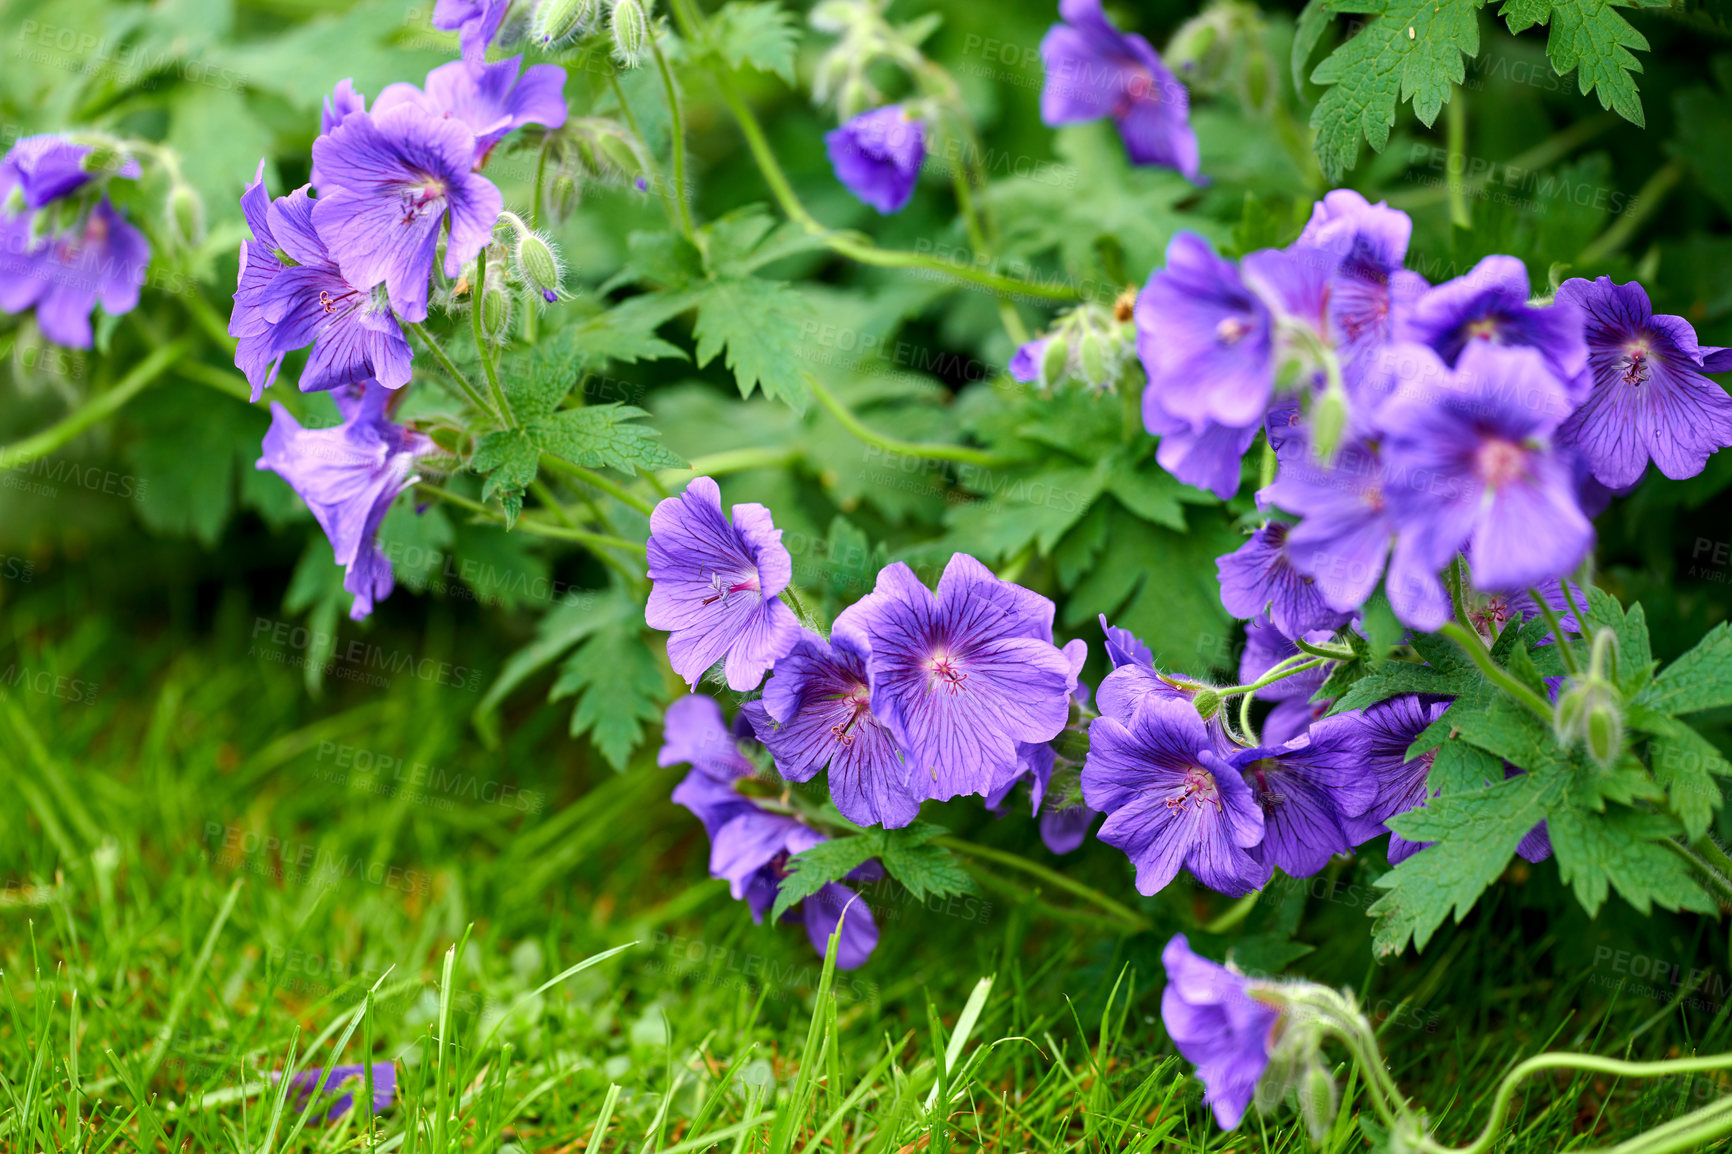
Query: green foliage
point(924, 869)
point(759, 33)
point(617, 680)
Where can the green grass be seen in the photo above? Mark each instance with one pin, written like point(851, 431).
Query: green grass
point(196, 892)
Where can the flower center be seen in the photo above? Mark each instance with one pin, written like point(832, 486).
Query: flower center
point(1199, 787)
point(945, 672)
point(1372, 498)
point(1636, 367)
point(1139, 86)
point(1484, 329)
point(329, 303)
point(424, 198)
point(1231, 330)
point(1500, 463)
point(723, 585)
point(859, 706)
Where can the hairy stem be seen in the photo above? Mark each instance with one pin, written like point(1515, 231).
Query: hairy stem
point(452, 371)
point(1474, 647)
point(1647, 200)
point(530, 524)
point(589, 477)
point(676, 129)
point(476, 293)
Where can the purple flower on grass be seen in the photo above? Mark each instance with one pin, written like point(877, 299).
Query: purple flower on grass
point(354, 336)
point(1369, 289)
point(349, 475)
point(960, 677)
point(1471, 466)
point(1172, 801)
point(878, 154)
point(1205, 341)
point(352, 1080)
point(491, 99)
point(1489, 306)
point(1219, 1026)
point(1093, 70)
point(476, 23)
point(391, 179)
point(1386, 730)
point(1309, 789)
point(716, 584)
point(818, 711)
point(1342, 539)
point(1260, 575)
point(100, 259)
point(1649, 399)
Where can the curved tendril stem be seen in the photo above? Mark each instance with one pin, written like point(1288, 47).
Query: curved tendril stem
point(595, 480)
point(100, 407)
point(1474, 647)
point(958, 453)
point(1279, 673)
point(1565, 651)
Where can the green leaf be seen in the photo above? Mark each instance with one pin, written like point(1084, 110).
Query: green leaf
point(1635, 658)
point(1685, 764)
point(1411, 50)
point(1018, 507)
point(185, 463)
point(1591, 39)
point(1462, 768)
point(1701, 679)
point(570, 622)
point(926, 870)
point(811, 870)
point(756, 321)
point(616, 677)
point(1620, 850)
point(510, 460)
point(760, 34)
point(1150, 492)
point(604, 436)
point(1394, 678)
point(1313, 19)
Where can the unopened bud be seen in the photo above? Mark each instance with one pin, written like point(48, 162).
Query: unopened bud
point(1092, 355)
point(629, 25)
point(1605, 733)
point(495, 305)
point(1207, 701)
point(538, 264)
point(1328, 423)
point(1317, 1101)
point(619, 153)
point(557, 20)
point(186, 214)
point(1052, 361)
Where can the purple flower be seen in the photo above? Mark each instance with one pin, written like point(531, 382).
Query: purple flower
point(1063, 830)
point(1369, 289)
point(47, 168)
point(476, 22)
point(1171, 800)
point(391, 179)
point(1309, 789)
point(961, 677)
point(1470, 466)
point(354, 336)
point(1126, 648)
point(1205, 340)
point(878, 154)
point(1208, 457)
point(1025, 363)
point(99, 259)
point(1260, 575)
point(1386, 730)
point(349, 475)
point(819, 712)
point(1342, 539)
point(1219, 1026)
point(342, 103)
point(1094, 70)
point(317, 1081)
point(491, 99)
point(716, 584)
point(1291, 718)
point(1489, 306)
point(1649, 399)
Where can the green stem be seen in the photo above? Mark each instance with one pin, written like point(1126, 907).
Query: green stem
point(1475, 648)
point(631, 122)
point(854, 425)
point(97, 408)
point(1456, 130)
point(476, 293)
point(222, 380)
point(676, 129)
point(1245, 728)
point(1234, 914)
point(1716, 881)
point(590, 477)
point(452, 371)
point(1280, 673)
point(1134, 922)
point(1457, 596)
point(531, 524)
point(1565, 649)
point(1547, 152)
point(1647, 199)
point(1691, 1132)
point(1324, 651)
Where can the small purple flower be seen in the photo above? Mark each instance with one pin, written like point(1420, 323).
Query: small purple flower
point(1063, 830)
point(1205, 340)
point(1649, 399)
point(1489, 306)
point(878, 154)
point(1172, 802)
point(1369, 290)
point(1386, 730)
point(960, 677)
point(1025, 363)
point(1217, 1023)
point(1342, 539)
point(349, 475)
point(353, 1080)
point(1093, 70)
point(391, 179)
point(100, 259)
point(716, 585)
point(476, 23)
point(1260, 575)
point(47, 168)
point(256, 354)
point(1470, 466)
point(491, 99)
point(819, 713)
point(1309, 790)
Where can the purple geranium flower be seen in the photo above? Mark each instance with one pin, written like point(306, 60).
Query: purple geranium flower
point(349, 475)
point(47, 168)
point(1094, 70)
point(1260, 575)
point(1470, 465)
point(391, 179)
point(1219, 1026)
point(476, 23)
point(819, 713)
point(342, 103)
point(1489, 305)
point(1171, 800)
point(354, 336)
point(491, 99)
point(1063, 830)
point(1025, 362)
point(1649, 399)
point(1342, 539)
point(1309, 789)
point(961, 677)
point(878, 154)
point(318, 1081)
point(716, 584)
point(1369, 289)
point(1205, 341)
point(1386, 730)
point(100, 259)
point(1126, 648)
point(1208, 457)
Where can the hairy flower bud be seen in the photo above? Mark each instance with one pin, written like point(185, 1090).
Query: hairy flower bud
point(538, 264)
point(1092, 358)
point(1328, 423)
point(1317, 1099)
point(495, 309)
point(629, 25)
point(1052, 362)
point(1207, 701)
point(558, 20)
point(186, 215)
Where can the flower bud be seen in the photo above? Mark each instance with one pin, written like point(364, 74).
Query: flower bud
point(1317, 1100)
point(1052, 361)
point(629, 25)
point(186, 215)
point(1604, 732)
point(1093, 358)
point(1207, 701)
point(557, 20)
point(537, 264)
point(619, 153)
point(495, 303)
point(1328, 423)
